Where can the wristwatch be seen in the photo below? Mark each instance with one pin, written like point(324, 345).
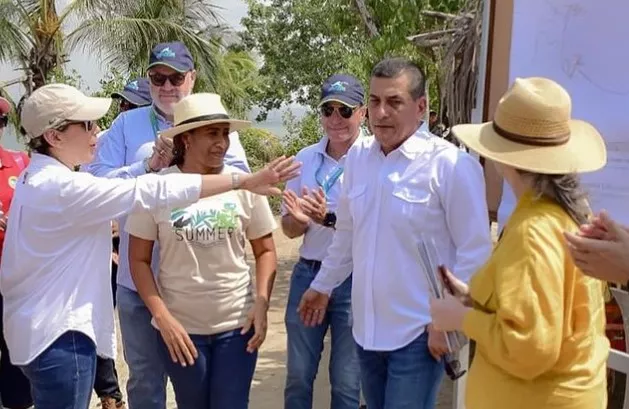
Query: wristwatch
point(330, 220)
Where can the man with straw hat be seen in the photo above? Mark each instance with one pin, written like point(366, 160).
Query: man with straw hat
point(538, 321)
point(133, 147)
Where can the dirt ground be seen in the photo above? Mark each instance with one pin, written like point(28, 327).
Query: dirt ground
point(268, 385)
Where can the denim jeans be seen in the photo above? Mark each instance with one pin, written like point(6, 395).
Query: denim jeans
point(106, 383)
point(220, 377)
point(407, 378)
point(63, 375)
point(305, 345)
point(146, 387)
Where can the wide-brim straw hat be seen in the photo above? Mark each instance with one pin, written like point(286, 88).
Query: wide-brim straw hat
point(533, 131)
point(198, 110)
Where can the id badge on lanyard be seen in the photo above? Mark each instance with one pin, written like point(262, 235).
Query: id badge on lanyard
point(330, 179)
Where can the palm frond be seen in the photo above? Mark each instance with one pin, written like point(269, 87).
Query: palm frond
point(124, 42)
point(15, 44)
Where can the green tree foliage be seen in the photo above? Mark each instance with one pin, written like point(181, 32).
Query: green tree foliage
point(261, 147)
point(301, 133)
point(112, 82)
point(304, 41)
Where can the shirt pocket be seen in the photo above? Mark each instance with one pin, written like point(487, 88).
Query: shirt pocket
point(410, 206)
point(356, 197)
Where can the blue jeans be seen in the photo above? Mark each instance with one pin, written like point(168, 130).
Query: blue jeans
point(305, 345)
point(220, 377)
point(146, 387)
point(407, 378)
point(63, 375)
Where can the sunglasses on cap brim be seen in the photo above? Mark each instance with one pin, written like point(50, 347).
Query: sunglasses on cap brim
point(344, 111)
point(159, 80)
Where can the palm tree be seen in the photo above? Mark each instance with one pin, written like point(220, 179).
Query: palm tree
point(122, 32)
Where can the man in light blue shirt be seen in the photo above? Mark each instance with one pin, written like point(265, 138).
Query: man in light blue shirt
point(132, 147)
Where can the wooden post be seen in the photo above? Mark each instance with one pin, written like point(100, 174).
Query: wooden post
point(493, 82)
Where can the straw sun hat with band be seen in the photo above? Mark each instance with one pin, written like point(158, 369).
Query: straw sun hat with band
point(533, 131)
point(198, 110)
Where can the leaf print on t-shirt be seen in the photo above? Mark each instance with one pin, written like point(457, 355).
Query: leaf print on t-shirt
point(205, 226)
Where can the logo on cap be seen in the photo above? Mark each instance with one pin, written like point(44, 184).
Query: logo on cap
point(134, 85)
point(166, 53)
point(338, 86)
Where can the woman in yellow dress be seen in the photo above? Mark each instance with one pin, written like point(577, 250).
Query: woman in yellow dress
point(537, 320)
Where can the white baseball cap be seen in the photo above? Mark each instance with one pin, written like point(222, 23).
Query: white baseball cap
point(53, 104)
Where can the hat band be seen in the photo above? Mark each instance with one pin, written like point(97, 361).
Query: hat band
point(556, 140)
point(212, 117)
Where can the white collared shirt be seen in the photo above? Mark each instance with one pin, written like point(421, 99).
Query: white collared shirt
point(55, 274)
point(426, 186)
point(317, 164)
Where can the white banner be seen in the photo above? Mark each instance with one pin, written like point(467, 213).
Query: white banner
point(584, 46)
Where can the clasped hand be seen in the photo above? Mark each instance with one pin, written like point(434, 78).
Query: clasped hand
point(601, 249)
point(312, 205)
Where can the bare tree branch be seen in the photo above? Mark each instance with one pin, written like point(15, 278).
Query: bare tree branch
point(367, 19)
point(447, 16)
point(18, 80)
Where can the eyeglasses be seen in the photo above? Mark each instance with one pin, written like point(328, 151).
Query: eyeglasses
point(88, 125)
point(345, 111)
point(4, 121)
point(159, 80)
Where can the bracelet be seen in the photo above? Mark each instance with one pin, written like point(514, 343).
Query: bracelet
point(235, 181)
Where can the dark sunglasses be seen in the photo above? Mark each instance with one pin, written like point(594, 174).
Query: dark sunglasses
point(126, 105)
point(345, 111)
point(4, 120)
point(88, 125)
point(159, 80)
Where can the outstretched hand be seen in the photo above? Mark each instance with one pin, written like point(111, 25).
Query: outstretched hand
point(263, 181)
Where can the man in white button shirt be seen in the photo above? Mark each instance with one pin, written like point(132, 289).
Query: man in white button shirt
point(402, 186)
point(342, 113)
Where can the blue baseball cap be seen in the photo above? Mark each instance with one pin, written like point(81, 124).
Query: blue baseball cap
point(136, 92)
point(342, 88)
point(174, 55)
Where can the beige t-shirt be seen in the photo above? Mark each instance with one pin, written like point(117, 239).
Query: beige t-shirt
point(203, 277)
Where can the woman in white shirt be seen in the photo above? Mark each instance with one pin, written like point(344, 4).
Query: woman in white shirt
point(203, 304)
point(55, 271)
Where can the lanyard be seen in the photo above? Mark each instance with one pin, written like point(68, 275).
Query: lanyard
point(330, 179)
point(153, 119)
